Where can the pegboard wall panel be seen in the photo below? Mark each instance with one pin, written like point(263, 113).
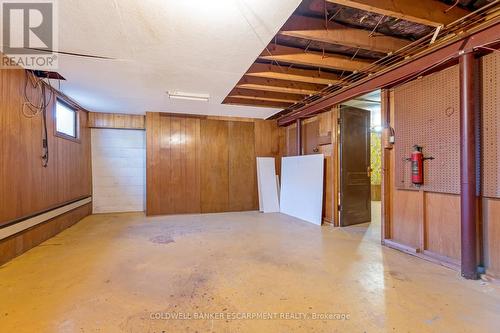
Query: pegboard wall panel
point(490, 68)
point(427, 114)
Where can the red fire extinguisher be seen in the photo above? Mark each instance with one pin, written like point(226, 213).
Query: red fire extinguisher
point(417, 165)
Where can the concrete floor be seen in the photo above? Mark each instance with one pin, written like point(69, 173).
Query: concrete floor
point(120, 272)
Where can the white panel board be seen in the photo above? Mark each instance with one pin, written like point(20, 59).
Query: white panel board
point(268, 189)
point(118, 170)
point(302, 187)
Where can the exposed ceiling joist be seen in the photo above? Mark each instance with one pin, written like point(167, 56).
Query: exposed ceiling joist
point(297, 56)
point(247, 102)
point(428, 12)
point(277, 89)
point(264, 95)
point(292, 74)
point(405, 70)
point(262, 99)
point(314, 29)
point(257, 83)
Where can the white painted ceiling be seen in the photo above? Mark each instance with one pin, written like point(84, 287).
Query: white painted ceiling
point(195, 46)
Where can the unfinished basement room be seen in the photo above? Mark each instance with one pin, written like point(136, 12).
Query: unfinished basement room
point(249, 166)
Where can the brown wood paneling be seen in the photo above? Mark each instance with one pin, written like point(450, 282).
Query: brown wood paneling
point(491, 227)
point(407, 217)
point(387, 107)
point(267, 138)
point(177, 166)
point(328, 199)
point(166, 168)
point(242, 167)
point(153, 167)
point(22, 242)
point(269, 141)
point(310, 137)
point(173, 164)
point(335, 163)
point(442, 224)
point(192, 158)
point(214, 166)
point(27, 186)
point(291, 140)
point(205, 164)
point(115, 120)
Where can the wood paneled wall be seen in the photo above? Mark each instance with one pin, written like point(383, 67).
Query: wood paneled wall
point(429, 222)
point(426, 222)
point(22, 242)
point(115, 120)
point(26, 187)
point(242, 167)
point(205, 164)
point(215, 166)
point(491, 235)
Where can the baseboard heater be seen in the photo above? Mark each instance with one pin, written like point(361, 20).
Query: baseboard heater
point(18, 226)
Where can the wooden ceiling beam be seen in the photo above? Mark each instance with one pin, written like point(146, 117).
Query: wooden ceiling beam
point(297, 56)
point(281, 86)
point(292, 74)
point(314, 29)
point(264, 95)
point(255, 103)
point(427, 12)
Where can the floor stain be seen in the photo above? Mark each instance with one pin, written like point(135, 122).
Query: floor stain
point(162, 239)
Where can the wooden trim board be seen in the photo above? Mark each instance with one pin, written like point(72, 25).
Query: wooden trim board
point(31, 222)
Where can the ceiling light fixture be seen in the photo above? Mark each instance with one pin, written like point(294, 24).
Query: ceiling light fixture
point(188, 96)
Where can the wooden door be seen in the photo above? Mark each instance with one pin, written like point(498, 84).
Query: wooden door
point(355, 185)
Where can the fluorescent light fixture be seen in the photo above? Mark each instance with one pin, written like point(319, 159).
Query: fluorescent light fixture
point(188, 96)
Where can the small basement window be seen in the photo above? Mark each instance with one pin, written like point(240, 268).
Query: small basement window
point(66, 120)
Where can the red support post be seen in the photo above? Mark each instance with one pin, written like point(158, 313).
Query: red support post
point(468, 179)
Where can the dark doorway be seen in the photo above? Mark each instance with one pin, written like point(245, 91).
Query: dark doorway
point(355, 185)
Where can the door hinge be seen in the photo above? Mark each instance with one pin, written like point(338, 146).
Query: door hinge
point(339, 207)
point(339, 121)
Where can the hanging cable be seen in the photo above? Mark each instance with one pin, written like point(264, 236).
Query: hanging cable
point(45, 143)
point(32, 108)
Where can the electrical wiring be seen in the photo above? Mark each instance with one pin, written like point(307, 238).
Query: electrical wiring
point(31, 109)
